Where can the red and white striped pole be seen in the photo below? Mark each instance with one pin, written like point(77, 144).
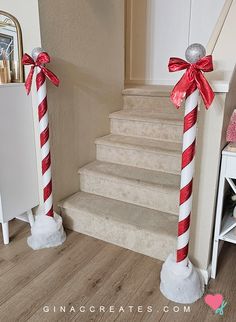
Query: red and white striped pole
point(187, 171)
point(44, 141)
point(47, 230)
point(180, 281)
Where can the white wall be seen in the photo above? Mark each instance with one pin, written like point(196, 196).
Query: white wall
point(27, 13)
point(157, 30)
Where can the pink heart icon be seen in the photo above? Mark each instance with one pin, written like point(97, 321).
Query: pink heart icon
point(214, 301)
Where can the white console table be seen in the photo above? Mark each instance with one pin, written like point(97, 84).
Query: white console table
point(225, 224)
point(18, 170)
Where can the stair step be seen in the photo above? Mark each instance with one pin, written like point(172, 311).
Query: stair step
point(140, 152)
point(147, 188)
point(149, 97)
point(137, 228)
point(148, 124)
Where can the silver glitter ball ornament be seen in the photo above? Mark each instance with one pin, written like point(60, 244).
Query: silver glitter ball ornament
point(195, 52)
point(35, 52)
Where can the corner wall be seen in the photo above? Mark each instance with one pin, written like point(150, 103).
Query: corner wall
point(86, 41)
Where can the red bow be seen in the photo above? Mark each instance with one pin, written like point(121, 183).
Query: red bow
point(43, 58)
point(192, 78)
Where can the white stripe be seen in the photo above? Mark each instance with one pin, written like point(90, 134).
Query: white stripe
point(183, 240)
point(42, 92)
point(45, 150)
point(187, 174)
point(191, 102)
point(48, 204)
point(189, 137)
point(185, 208)
point(47, 176)
point(43, 123)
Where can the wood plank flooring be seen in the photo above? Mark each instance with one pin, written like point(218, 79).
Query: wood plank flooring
point(87, 278)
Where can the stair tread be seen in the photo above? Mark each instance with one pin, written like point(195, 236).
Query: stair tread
point(132, 142)
point(126, 213)
point(137, 175)
point(148, 90)
point(151, 116)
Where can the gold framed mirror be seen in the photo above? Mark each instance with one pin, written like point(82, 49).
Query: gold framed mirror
point(11, 49)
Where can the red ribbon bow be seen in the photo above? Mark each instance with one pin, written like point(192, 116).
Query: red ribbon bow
point(43, 58)
point(192, 78)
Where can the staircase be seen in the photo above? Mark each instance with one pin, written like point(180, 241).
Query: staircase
point(129, 195)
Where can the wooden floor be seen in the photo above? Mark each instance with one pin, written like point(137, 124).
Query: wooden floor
point(89, 274)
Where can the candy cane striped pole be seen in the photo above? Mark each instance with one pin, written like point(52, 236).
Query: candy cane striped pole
point(44, 141)
point(187, 171)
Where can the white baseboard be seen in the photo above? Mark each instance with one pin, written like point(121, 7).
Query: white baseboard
point(206, 274)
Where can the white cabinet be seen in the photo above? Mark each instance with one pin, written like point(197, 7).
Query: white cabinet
point(18, 169)
point(225, 224)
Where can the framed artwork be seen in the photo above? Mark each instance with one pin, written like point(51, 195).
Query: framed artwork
point(7, 45)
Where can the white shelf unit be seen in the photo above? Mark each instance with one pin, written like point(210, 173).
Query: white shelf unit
point(225, 224)
point(18, 168)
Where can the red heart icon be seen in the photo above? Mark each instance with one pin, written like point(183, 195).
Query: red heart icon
point(214, 301)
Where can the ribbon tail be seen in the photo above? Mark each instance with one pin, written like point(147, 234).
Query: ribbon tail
point(29, 79)
point(51, 76)
point(205, 90)
point(179, 91)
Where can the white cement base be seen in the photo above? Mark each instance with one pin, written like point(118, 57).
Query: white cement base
point(46, 232)
point(181, 284)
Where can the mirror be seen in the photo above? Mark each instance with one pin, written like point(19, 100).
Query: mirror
point(11, 49)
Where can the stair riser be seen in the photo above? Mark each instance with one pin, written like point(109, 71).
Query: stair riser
point(161, 104)
point(127, 236)
point(158, 130)
point(139, 158)
point(155, 197)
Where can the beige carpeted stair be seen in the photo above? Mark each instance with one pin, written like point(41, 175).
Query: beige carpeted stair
point(129, 195)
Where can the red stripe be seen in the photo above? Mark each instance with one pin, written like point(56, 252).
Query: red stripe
point(40, 79)
point(42, 108)
point(44, 136)
point(46, 163)
point(190, 119)
point(50, 212)
point(191, 89)
point(188, 155)
point(47, 191)
point(186, 192)
point(182, 253)
point(183, 225)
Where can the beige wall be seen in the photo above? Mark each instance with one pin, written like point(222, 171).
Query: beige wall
point(86, 41)
point(211, 139)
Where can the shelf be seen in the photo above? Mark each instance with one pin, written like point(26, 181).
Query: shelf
point(228, 223)
point(231, 183)
point(230, 236)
